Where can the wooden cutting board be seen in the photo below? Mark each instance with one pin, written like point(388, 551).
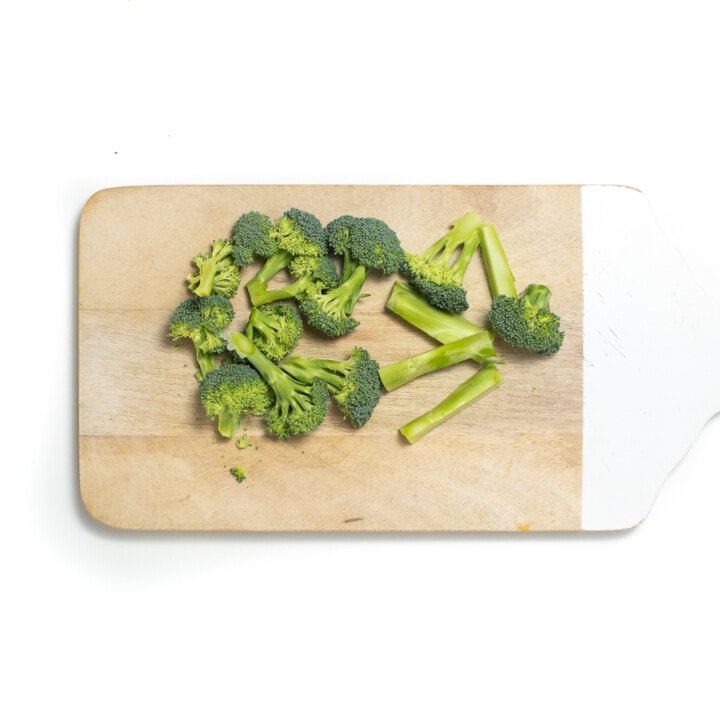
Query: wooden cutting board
point(150, 459)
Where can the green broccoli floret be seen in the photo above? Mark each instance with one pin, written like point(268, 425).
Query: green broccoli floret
point(298, 407)
point(365, 244)
point(354, 383)
point(275, 329)
point(478, 347)
point(203, 320)
point(439, 272)
point(523, 320)
point(217, 273)
point(253, 236)
point(243, 442)
point(302, 249)
point(468, 392)
point(232, 391)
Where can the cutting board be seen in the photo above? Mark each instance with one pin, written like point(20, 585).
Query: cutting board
point(577, 441)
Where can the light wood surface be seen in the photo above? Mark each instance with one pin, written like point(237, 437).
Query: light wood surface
point(150, 459)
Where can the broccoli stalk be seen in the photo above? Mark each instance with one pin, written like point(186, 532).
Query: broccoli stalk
point(468, 392)
point(354, 383)
point(478, 347)
point(408, 304)
point(523, 320)
point(439, 272)
point(298, 407)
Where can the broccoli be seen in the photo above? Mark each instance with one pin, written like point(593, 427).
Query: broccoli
point(298, 407)
point(353, 383)
point(523, 320)
point(203, 320)
point(408, 304)
point(464, 395)
point(300, 247)
point(478, 347)
point(275, 329)
point(239, 473)
point(252, 236)
point(439, 272)
point(231, 391)
point(243, 442)
point(365, 244)
point(217, 273)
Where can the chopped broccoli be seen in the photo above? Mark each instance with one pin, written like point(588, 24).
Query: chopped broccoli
point(203, 320)
point(252, 236)
point(464, 395)
point(298, 407)
point(408, 304)
point(239, 473)
point(478, 347)
point(523, 320)
point(301, 248)
point(243, 442)
point(354, 383)
point(217, 273)
point(275, 329)
point(365, 244)
point(231, 391)
point(439, 272)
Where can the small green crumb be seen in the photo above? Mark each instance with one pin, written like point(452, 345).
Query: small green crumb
point(238, 473)
point(243, 442)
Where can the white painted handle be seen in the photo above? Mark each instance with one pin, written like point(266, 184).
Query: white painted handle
point(651, 353)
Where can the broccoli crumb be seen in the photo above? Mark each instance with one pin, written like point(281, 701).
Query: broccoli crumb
point(238, 473)
point(243, 442)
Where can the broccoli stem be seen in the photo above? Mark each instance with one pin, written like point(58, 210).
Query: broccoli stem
point(257, 286)
point(349, 291)
point(227, 423)
point(500, 276)
point(278, 380)
point(412, 307)
point(464, 395)
point(477, 347)
point(305, 369)
point(206, 276)
point(206, 362)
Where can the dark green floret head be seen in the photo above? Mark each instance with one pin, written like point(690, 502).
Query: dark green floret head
point(301, 233)
point(359, 390)
point(526, 321)
point(253, 236)
point(437, 284)
point(367, 241)
point(328, 311)
point(231, 391)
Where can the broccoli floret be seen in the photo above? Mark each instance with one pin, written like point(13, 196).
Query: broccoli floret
point(365, 244)
point(298, 407)
point(203, 320)
point(275, 329)
point(217, 273)
point(407, 303)
point(523, 320)
point(232, 391)
point(478, 347)
point(469, 391)
point(243, 442)
point(354, 383)
point(302, 249)
point(439, 272)
point(252, 235)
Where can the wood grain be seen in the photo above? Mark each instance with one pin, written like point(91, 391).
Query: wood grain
point(150, 459)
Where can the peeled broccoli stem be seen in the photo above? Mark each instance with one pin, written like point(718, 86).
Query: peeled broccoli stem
point(500, 276)
point(468, 392)
point(412, 307)
point(477, 347)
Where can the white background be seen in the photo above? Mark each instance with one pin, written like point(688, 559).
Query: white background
point(103, 624)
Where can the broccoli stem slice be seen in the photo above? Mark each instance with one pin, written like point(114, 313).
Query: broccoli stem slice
point(412, 307)
point(477, 347)
point(468, 392)
point(497, 267)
